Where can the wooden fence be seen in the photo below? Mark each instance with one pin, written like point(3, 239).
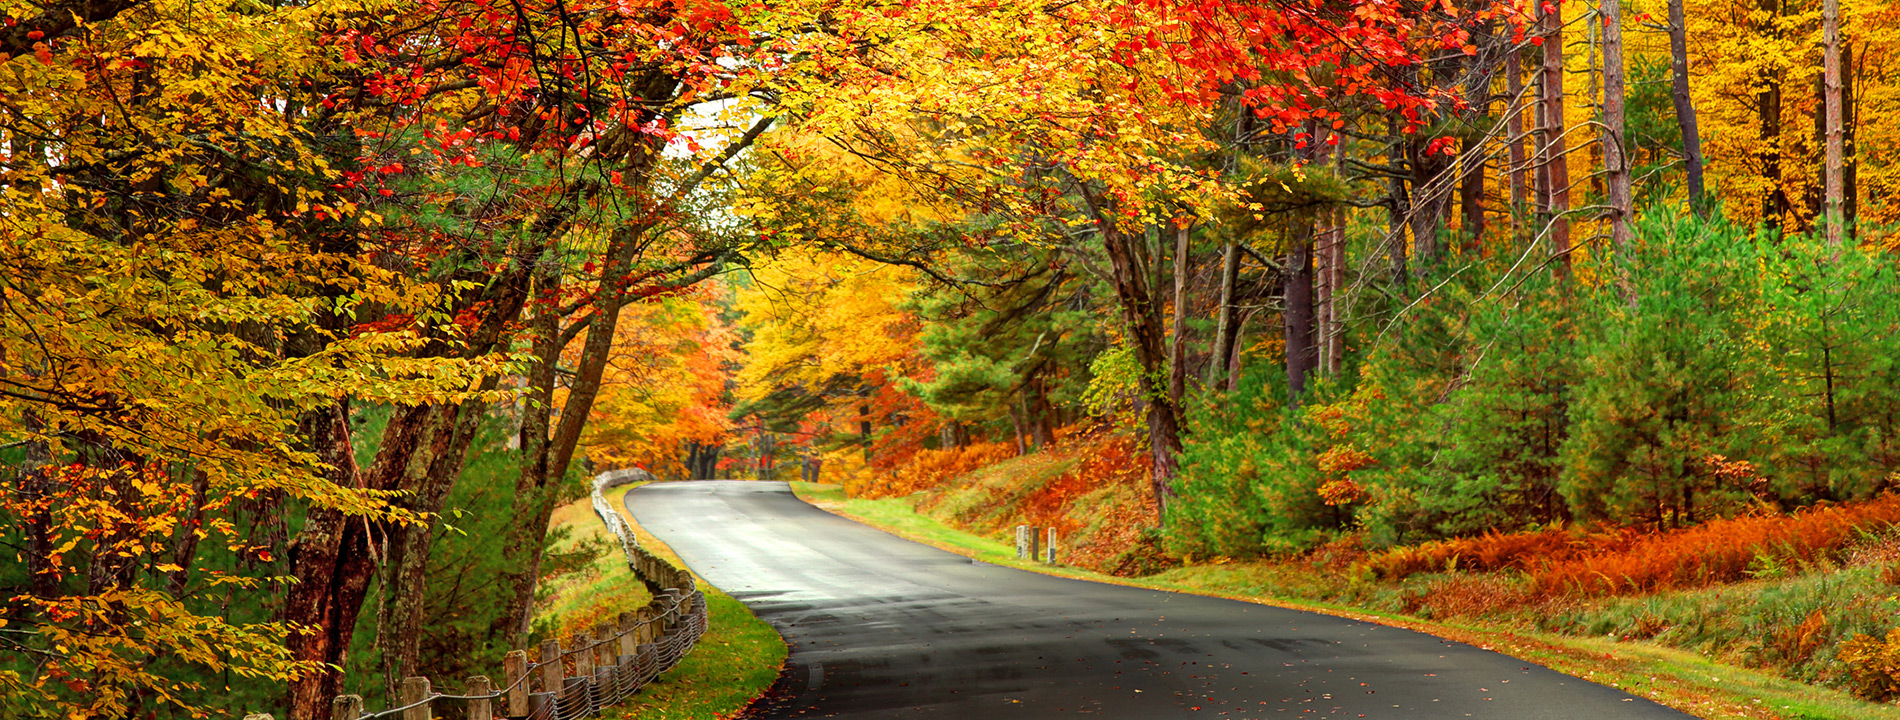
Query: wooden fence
point(599, 669)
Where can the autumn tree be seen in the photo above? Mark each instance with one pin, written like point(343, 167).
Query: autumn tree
point(664, 400)
point(179, 267)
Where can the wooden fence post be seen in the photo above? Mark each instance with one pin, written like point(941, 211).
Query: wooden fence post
point(551, 666)
point(415, 691)
point(604, 652)
point(645, 617)
point(480, 708)
point(514, 669)
point(346, 707)
point(583, 655)
point(628, 626)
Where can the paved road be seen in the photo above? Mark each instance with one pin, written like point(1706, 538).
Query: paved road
point(881, 627)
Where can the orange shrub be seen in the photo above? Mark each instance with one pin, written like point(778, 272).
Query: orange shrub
point(1490, 551)
point(1104, 462)
point(929, 468)
point(1467, 595)
point(1717, 551)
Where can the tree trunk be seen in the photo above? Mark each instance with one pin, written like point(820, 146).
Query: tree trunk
point(1141, 318)
point(1836, 138)
point(1398, 204)
point(1850, 119)
point(1616, 165)
point(1430, 195)
point(535, 489)
point(314, 602)
point(1177, 346)
point(1774, 202)
point(1553, 161)
point(1685, 109)
point(1323, 291)
point(1019, 432)
point(1240, 341)
point(1333, 336)
point(1471, 191)
point(1040, 413)
point(1224, 324)
point(452, 430)
point(1520, 182)
point(1471, 160)
point(1329, 262)
point(1297, 313)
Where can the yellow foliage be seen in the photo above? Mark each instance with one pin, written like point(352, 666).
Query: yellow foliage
point(178, 286)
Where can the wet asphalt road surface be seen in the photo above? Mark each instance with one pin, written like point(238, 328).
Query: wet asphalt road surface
point(881, 627)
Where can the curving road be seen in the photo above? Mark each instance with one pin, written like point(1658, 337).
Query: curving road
point(881, 627)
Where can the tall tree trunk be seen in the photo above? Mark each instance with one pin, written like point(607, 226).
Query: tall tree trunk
point(1239, 341)
point(1041, 415)
point(1329, 261)
point(864, 425)
point(1297, 313)
point(1431, 192)
point(1514, 123)
point(1323, 291)
point(535, 487)
point(1471, 160)
point(1553, 160)
point(1471, 191)
point(1141, 319)
point(1398, 204)
point(1685, 109)
point(1333, 333)
point(1774, 202)
point(314, 602)
point(1616, 164)
point(1177, 345)
point(452, 431)
point(1850, 120)
point(560, 444)
point(1836, 137)
point(1225, 315)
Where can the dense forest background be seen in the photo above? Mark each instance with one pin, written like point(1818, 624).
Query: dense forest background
point(313, 313)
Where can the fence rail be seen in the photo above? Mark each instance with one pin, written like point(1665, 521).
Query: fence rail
point(601, 668)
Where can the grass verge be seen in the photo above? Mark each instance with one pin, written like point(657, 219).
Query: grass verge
point(601, 589)
point(1676, 678)
point(733, 664)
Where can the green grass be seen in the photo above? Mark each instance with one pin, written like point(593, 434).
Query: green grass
point(602, 589)
point(1678, 678)
point(899, 515)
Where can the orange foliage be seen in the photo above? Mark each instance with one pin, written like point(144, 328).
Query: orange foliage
point(1342, 492)
point(1490, 551)
point(1103, 462)
point(1107, 535)
point(928, 469)
point(1622, 561)
point(1718, 551)
point(1100, 536)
